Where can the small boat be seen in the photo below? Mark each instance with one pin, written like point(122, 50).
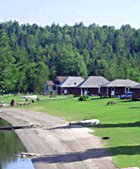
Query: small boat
point(30, 96)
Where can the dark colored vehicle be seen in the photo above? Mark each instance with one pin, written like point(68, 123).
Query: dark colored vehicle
point(126, 96)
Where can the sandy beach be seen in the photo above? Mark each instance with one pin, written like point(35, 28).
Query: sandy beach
point(58, 145)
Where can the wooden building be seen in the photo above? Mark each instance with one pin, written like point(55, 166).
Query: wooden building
point(49, 85)
point(91, 86)
point(58, 81)
point(54, 85)
point(70, 85)
point(117, 87)
point(135, 92)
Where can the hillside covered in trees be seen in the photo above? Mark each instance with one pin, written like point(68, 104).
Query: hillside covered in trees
point(30, 54)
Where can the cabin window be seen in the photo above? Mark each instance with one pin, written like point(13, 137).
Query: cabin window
point(54, 87)
point(47, 87)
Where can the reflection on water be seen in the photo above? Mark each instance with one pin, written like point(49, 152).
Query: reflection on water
point(18, 164)
point(10, 147)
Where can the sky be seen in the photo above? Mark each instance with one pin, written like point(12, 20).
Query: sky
point(45, 12)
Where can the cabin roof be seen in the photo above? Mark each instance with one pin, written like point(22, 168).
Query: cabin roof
point(93, 82)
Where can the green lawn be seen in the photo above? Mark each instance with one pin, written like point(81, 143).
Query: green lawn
point(120, 122)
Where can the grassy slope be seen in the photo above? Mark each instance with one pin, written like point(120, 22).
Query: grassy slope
point(120, 122)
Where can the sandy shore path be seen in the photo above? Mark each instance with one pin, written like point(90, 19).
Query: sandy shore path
point(59, 146)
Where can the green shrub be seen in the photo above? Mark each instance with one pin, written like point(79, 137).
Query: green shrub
point(84, 98)
point(76, 95)
point(52, 93)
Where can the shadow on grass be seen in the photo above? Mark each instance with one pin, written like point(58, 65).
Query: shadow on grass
point(134, 107)
point(136, 124)
point(128, 100)
point(125, 100)
point(88, 154)
point(65, 127)
point(95, 98)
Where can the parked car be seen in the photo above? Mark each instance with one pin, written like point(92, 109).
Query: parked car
point(126, 96)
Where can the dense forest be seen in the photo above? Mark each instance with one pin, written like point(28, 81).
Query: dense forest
point(31, 54)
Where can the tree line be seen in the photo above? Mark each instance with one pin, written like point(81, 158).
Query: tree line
point(31, 54)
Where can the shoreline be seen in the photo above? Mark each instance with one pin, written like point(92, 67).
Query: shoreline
point(59, 145)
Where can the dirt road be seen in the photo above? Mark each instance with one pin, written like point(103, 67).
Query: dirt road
point(60, 146)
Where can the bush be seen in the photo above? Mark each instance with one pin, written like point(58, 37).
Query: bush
point(38, 99)
point(84, 98)
point(52, 93)
point(76, 95)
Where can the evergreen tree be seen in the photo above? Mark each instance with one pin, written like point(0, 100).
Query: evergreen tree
point(30, 52)
point(7, 67)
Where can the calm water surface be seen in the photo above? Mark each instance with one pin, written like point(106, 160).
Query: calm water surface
point(10, 147)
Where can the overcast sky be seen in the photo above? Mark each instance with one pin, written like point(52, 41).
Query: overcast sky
point(45, 12)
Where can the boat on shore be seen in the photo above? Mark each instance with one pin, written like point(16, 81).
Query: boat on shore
point(29, 97)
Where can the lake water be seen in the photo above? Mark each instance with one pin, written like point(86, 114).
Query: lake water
point(10, 147)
